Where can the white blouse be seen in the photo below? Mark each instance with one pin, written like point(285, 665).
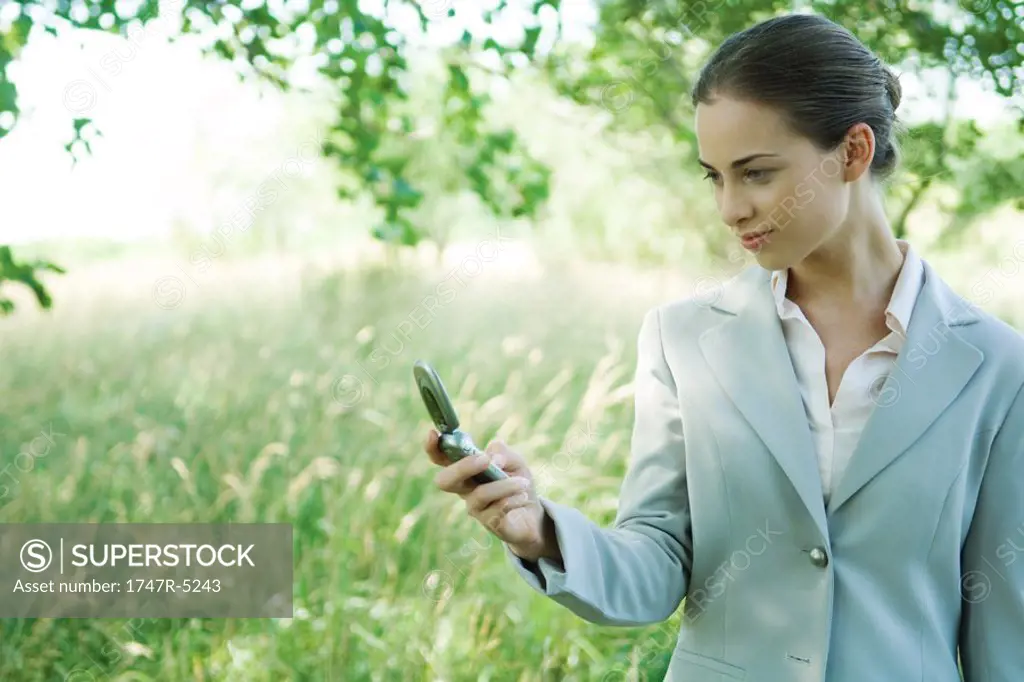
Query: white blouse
point(837, 428)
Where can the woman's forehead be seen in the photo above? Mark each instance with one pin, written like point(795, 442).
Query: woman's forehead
point(729, 129)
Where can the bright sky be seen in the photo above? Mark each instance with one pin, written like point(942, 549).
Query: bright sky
point(159, 105)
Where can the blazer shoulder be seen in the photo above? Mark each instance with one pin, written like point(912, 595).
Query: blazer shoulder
point(1001, 344)
point(991, 334)
point(999, 341)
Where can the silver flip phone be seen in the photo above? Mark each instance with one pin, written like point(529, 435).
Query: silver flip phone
point(453, 442)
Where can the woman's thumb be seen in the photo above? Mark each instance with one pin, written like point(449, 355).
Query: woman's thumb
point(496, 449)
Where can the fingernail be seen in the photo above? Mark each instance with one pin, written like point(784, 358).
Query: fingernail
point(522, 482)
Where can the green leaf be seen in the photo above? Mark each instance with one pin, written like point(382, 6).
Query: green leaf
point(25, 274)
point(530, 43)
point(8, 97)
point(405, 195)
point(458, 79)
point(17, 36)
point(224, 50)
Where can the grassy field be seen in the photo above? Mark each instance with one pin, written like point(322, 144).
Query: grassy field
point(282, 392)
point(277, 394)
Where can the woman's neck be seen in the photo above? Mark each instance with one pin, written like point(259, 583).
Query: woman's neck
point(856, 270)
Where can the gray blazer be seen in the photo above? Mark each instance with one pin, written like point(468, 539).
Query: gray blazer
point(919, 552)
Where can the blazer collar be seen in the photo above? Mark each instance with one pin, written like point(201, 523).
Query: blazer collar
point(901, 303)
point(747, 353)
point(744, 289)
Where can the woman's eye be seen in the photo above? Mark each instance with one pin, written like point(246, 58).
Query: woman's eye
point(711, 176)
point(756, 174)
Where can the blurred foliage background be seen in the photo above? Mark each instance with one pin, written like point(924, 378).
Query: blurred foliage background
point(228, 229)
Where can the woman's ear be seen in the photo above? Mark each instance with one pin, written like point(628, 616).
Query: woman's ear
point(858, 151)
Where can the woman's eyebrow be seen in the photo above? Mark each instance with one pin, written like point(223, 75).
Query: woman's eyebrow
point(738, 162)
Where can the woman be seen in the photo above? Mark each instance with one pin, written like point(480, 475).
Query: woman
point(828, 454)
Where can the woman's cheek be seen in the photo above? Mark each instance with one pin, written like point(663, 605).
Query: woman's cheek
point(780, 208)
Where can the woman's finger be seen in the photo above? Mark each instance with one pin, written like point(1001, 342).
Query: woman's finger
point(510, 519)
point(512, 463)
point(516, 501)
point(488, 493)
point(457, 477)
point(430, 445)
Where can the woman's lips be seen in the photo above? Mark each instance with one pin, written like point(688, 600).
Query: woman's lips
point(755, 240)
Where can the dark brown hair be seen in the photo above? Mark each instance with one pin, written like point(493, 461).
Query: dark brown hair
point(817, 74)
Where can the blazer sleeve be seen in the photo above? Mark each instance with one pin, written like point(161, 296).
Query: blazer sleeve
point(637, 571)
point(992, 578)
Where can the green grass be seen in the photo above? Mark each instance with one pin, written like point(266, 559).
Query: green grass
point(233, 407)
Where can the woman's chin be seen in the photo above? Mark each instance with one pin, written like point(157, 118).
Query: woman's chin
point(769, 259)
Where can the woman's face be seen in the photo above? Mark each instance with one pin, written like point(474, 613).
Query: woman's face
point(767, 179)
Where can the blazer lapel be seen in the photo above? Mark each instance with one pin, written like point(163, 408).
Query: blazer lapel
point(747, 353)
point(931, 370)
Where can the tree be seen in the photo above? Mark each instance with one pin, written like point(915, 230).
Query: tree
point(639, 69)
point(365, 57)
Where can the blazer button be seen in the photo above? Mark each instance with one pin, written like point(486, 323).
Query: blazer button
point(819, 558)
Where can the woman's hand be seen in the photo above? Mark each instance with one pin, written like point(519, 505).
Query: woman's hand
point(508, 508)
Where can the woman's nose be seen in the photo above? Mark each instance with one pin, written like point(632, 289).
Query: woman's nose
point(735, 208)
